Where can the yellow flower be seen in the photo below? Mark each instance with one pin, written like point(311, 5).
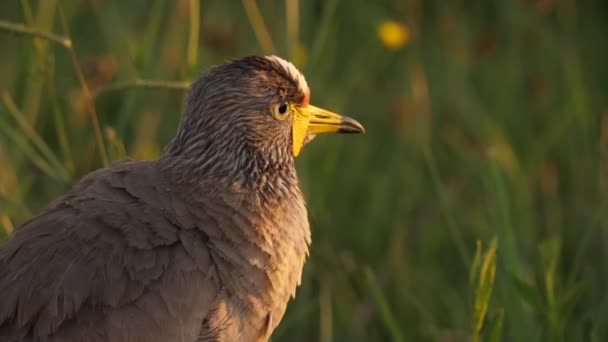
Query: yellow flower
point(502, 152)
point(394, 35)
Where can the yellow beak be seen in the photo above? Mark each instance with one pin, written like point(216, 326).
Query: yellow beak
point(315, 120)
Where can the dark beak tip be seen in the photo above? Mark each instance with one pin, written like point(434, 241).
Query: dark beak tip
point(351, 131)
point(351, 127)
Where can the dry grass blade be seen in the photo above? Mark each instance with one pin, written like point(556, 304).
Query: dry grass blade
point(87, 94)
point(28, 31)
point(259, 28)
point(138, 83)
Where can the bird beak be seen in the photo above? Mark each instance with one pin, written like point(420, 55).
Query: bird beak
point(324, 121)
point(315, 120)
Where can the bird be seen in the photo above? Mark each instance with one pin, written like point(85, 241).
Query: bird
point(206, 243)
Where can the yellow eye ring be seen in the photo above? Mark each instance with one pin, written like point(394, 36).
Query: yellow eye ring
point(281, 110)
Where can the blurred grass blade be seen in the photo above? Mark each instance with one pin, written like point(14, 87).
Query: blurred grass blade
point(31, 134)
point(33, 90)
point(61, 130)
point(303, 313)
point(495, 327)
point(509, 250)
point(570, 298)
point(325, 316)
point(446, 209)
point(259, 27)
point(529, 293)
point(385, 312)
point(292, 15)
point(21, 143)
point(329, 10)
point(27, 12)
point(549, 253)
point(474, 275)
point(151, 34)
point(7, 224)
point(117, 147)
point(483, 292)
point(195, 17)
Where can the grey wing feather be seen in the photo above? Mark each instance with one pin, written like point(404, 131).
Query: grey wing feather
point(110, 260)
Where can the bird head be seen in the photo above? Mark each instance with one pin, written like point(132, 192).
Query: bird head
point(254, 105)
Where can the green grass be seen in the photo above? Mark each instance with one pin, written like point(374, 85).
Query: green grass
point(492, 121)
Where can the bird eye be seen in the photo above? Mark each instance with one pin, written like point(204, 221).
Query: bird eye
point(281, 110)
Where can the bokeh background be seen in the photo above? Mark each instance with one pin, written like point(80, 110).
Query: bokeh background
point(475, 207)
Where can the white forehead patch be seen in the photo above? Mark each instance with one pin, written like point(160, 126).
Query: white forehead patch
point(291, 71)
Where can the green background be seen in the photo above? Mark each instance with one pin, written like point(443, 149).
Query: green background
point(491, 121)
